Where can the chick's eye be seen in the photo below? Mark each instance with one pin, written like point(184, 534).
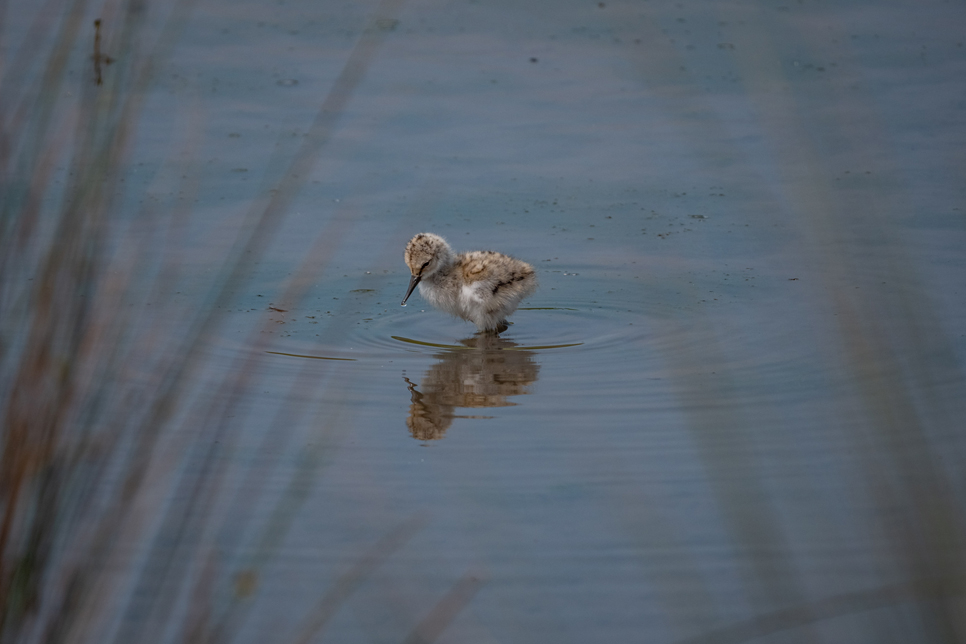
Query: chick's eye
point(425, 264)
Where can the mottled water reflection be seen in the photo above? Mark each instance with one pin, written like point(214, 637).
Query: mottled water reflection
point(492, 370)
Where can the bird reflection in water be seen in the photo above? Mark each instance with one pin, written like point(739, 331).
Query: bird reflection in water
point(489, 371)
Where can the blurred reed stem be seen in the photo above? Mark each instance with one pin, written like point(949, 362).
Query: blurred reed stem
point(87, 550)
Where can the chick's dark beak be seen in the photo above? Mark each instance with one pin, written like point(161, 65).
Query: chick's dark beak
point(414, 280)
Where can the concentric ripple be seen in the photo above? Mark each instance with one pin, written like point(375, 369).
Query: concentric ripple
point(618, 342)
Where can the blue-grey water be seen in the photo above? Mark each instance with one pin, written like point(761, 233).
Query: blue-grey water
point(731, 413)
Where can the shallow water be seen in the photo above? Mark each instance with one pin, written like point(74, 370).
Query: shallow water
point(732, 411)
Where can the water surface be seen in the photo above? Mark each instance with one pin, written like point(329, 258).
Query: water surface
point(731, 413)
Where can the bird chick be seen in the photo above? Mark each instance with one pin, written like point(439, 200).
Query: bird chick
point(483, 287)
